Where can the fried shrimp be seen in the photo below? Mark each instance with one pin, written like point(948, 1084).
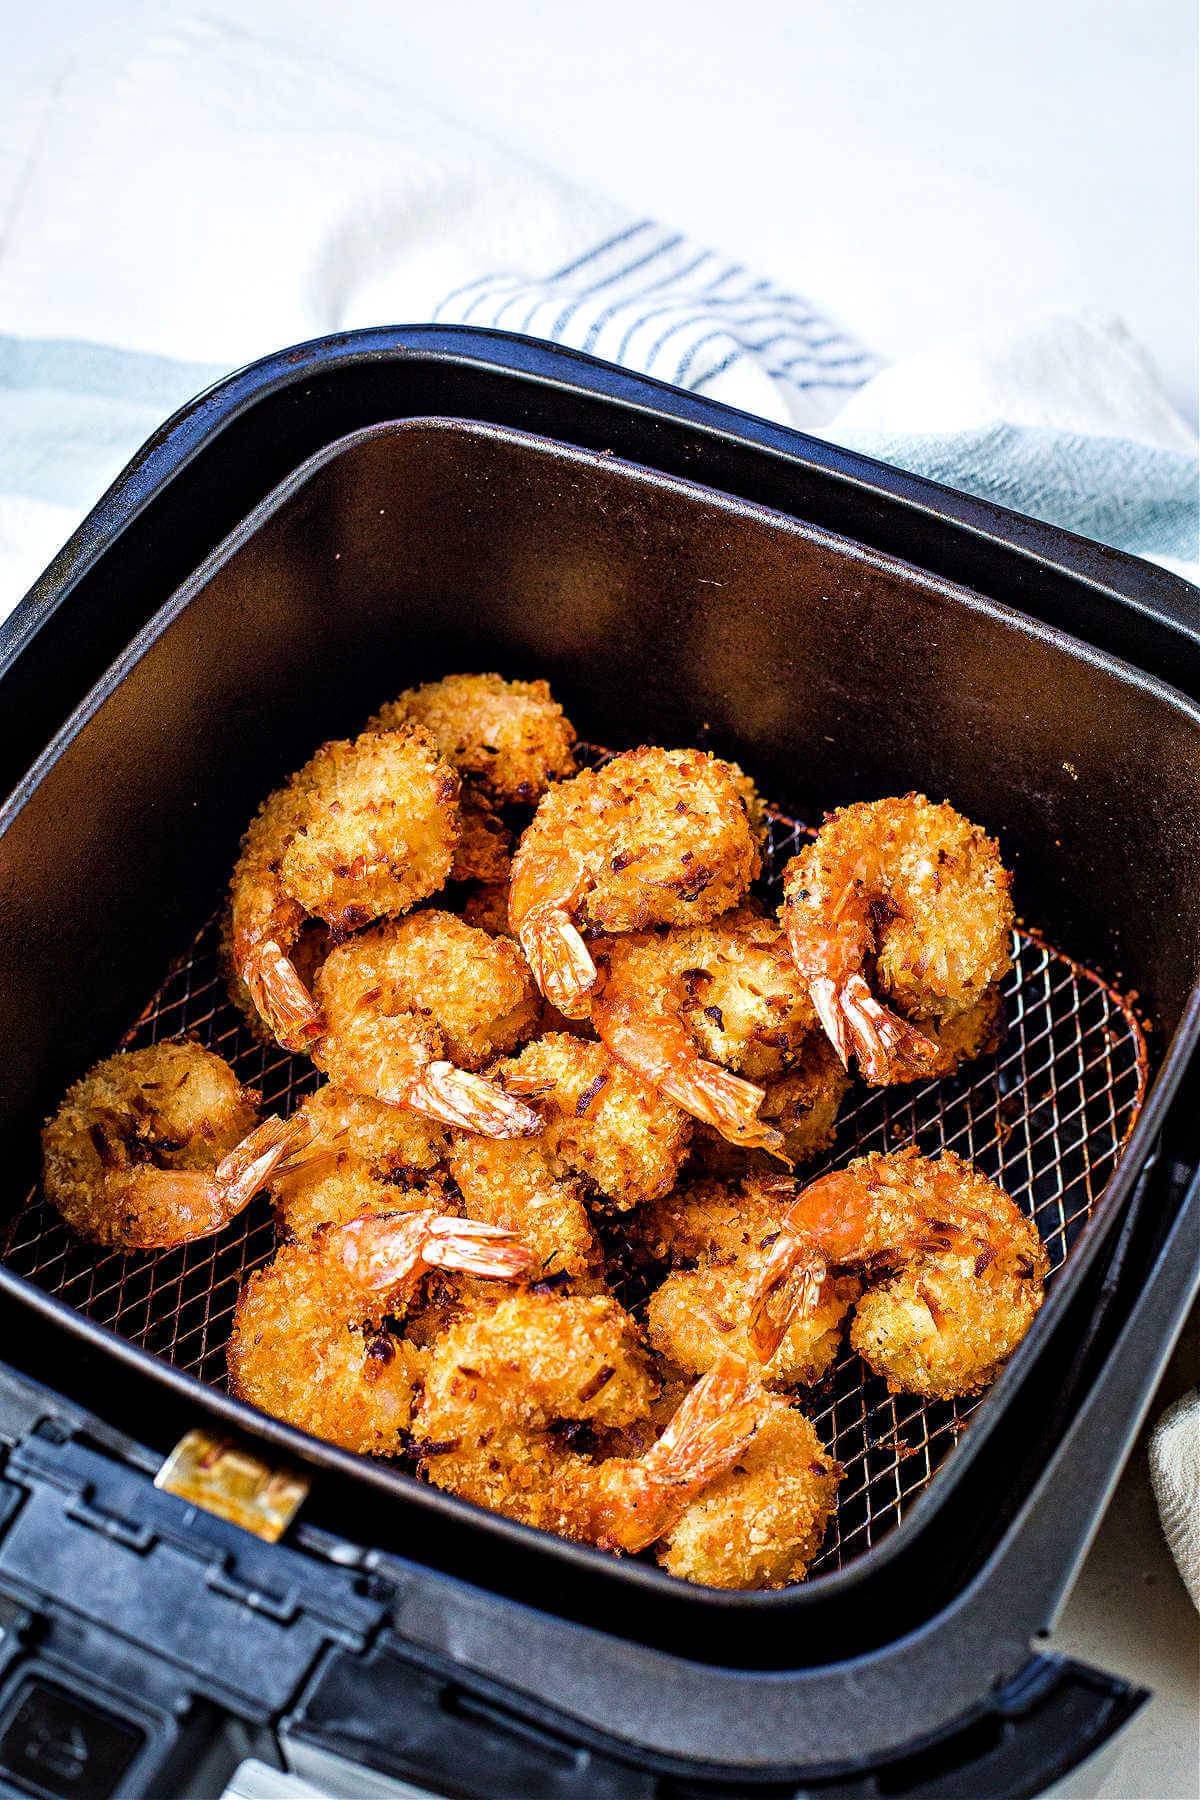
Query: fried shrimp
point(802, 1106)
point(953, 1271)
point(363, 831)
point(361, 1157)
point(508, 739)
point(760, 1524)
point(916, 896)
point(158, 1147)
point(509, 1385)
point(484, 848)
point(706, 1012)
point(309, 1342)
point(415, 1006)
point(718, 1239)
point(604, 1135)
point(655, 837)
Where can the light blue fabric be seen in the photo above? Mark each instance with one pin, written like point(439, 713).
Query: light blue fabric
point(72, 413)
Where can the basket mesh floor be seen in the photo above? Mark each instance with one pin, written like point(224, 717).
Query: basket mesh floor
point(1046, 1116)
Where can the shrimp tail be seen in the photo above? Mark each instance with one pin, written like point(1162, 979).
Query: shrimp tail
point(476, 1248)
point(560, 960)
point(790, 1283)
point(710, 1430)
point(882, 1041)
point(469, 1103)
point(280, 996)
point(249, 1165)
point(823, 991)
point(724, 1101)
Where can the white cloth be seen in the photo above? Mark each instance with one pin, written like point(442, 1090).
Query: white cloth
point(205, 197)
point(1175, 1475)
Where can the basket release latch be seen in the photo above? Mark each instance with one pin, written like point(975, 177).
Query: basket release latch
point(222, 1477)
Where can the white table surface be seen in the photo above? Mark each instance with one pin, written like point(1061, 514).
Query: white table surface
point(921, 169)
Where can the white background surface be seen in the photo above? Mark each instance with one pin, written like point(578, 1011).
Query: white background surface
point(920, 169)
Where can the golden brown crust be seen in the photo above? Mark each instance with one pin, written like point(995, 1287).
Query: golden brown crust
point(170, 1107)
point(654, 837)
point(760, 1525)
point(510, 738)
point(428, 980)
point(361, 1157)
point(717, 1238)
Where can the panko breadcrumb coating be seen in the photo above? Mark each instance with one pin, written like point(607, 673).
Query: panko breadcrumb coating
point(511, 739)
point(308, 1341)
point(485, 845)
point(953, 1272)
point(913, 894)
point(802, 1106)
point(505, 1377)
point(683, 1006)
point(363, 831)
point(604, 1134)
point(508, 1383)
point(360, 1158)
point(760, 1525)
point(626, 1140)
point(718, 1239)
point(413, 1003)
point(655, 837)
point(136, 1154)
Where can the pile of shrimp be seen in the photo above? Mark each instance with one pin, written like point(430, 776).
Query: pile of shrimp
point(544, 1231)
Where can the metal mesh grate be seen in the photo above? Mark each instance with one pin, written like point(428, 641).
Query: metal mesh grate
point(1047, 1117)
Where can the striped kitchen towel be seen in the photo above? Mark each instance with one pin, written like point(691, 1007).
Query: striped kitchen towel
point(285, 199)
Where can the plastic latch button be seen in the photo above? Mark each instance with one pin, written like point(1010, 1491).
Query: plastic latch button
point(222, 1478)
point(56, 1744)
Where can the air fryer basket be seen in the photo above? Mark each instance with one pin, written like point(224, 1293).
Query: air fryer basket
point(1047, 1116)
point(660, 612)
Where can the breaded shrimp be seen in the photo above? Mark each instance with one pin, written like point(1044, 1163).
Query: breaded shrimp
point(486, 908)
point(718, 1239)
point(363, 831)
point(760, 1524)
point(953, 1271)
point(508, 739)
point(684, 1008)
point(916, 896)
point(604, 1133)
point(802, 1106)
point(361, 1157)
point(413, 1007)
point(308, 1341)
point(158, 1147)
point(504, 1382)
point(655, 837)
point(485, 845)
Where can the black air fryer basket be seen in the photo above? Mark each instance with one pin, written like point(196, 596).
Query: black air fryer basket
point(297, 545)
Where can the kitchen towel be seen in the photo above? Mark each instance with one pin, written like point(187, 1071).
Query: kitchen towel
point(1175, 1475)
point(202, 197)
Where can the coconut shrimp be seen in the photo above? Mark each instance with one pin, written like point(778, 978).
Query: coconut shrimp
point(717, 1238)
point(363, 831)
point(360, 1156)
point(414, 1007)
point(509, 1385)
point(759, 1524)
point(508, 739)
point(158, 1147)
point(802, 1106)
point(916, 896)
point(604, 1135)
point(953, 1271)
point(706, 1012)
point(655, 837)
point(309, 1343)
